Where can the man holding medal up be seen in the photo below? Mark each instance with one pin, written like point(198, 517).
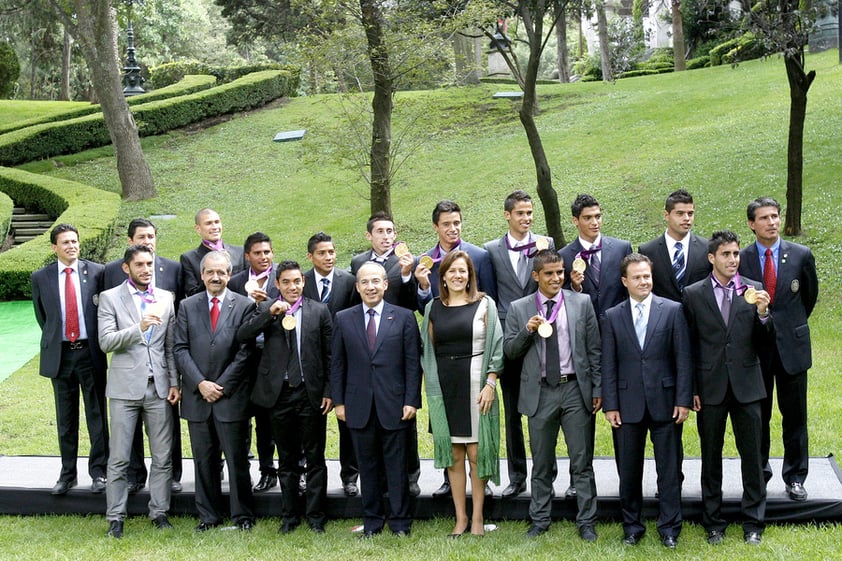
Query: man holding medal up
point(556, 333)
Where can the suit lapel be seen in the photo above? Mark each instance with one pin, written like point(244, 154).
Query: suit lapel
point(628, 321)
point(127, 299)
point(572, 318)
point(752, 264)
point(713, 308)
point(663, 249)
point(782, 272)
point(387, 323)
point(655, 317)
point(204, 312)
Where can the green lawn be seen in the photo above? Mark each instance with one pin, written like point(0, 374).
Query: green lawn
point(719, 132)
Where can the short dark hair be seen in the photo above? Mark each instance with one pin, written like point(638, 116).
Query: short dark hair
point(316, 239)
point(60, 229)
point(380, 216)
point(515, 197)
point(256, 238)
point(720, 238)
point(582, 202)
point(543, 258)
point(680, 196)
point(133, 250)
point(287, 265)
point(140, 223)
point(633, 258)
point(758, 203)
point(445, 206)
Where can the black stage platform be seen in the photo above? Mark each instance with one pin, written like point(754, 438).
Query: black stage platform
point(25, 483)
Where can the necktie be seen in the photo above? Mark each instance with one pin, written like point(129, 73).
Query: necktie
point(523, 269)
point(214, 313)
point(71, 310)
point(595, 267)
point(325, 295)
point(293, 366)
point(770, 279)
point(678, 265)
point(144, 296)
point(725, 306)
point(553, 360)
point(640, 324)
point(371, 329)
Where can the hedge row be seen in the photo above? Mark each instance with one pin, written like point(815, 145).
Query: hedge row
point(171, 72)
point(6, 208)
point(156, 117)
point(744, 47)
point(187, 85)
point(68, 200)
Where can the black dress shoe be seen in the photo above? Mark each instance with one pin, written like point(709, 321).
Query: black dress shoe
point(317, 527)
point(368, 534)
point(62, 487)
point(288, 526)
point(245, 525)
point(670, 542)
point(715, 537)
point(587, 533)
point(135, 487)
point(402, 533)
point(175, 486)
point(632, 539)
point(570, 493)
point(796, 491)
point(514, 489)
point(161, 522)
point(98, 485)
point(302, 484)
point(205, 526)
point(535, 531)
point(350, 489)
point(752, 538)
point(115, 529)
point(414, 489)
point(443, 491)
point(267, 481)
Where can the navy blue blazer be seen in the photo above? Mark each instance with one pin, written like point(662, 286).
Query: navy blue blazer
point(658, 377)
point(387, 378)
point(611, 290)
point(663, 280)
point(482, 266)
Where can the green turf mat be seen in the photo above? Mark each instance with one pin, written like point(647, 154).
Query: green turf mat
point(20, 336)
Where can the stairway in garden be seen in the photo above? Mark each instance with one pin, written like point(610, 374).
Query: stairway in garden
point(28, 225)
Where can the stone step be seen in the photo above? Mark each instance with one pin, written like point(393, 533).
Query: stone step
point(32, 216)
point(29, 231)
point(23, 239)
point(43, 224)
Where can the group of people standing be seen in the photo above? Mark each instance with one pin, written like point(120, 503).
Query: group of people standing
point(685, 324)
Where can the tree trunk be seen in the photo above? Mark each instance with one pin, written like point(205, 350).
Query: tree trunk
point(561, 49)
point(466, 69)
point(381, 104)
point(799, 84)
point(65, 66)
point(678, 47)
point(604, 47)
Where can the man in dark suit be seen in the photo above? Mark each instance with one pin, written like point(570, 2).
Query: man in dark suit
point(679, 257)
point(511, 260)
point(560, 387)
point(647, 386)
point(167, 276)
point(292, 382)
point(724, 332)
point(257, 281)
point(335, 288)
point(447, 223)
point(136, 325)
point(215, 390)
point(375, 382)
point(788, 271)
point(64, 295)
point(209, 227)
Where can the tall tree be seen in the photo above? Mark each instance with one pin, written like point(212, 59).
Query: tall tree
point(93, 24)
point(678, 48)
point(604, 46)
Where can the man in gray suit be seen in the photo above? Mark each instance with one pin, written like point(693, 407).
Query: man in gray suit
point(556, 333)
point(136, 325)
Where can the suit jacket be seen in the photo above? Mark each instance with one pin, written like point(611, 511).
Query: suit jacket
point(167, 276)
point(191, 266)
point(399, 293)
point(506, 281)
point(611, 290)
point(120, 334)
point(238, 281)
point(202, 354)
point(315, 332)
point(47, 303)
point(482, 266)
point(724, 355)
point(343, 292)
point(383, 380)
point(663, 280)
point(584, 344)
point(796, 292)
point(658, 377)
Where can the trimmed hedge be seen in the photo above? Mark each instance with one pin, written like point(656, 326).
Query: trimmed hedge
point(187, 85)
point(171, 72)
point(744, 47)
point(156, 117)
point(698, 62)
point(72, 203)
point(6, 208)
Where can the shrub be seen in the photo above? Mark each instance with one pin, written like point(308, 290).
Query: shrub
point(9, 69)
point(172, 72)
point(6, 208)
point(633, 73)
point(698, 62)
point(71, 203)
point(744, 47)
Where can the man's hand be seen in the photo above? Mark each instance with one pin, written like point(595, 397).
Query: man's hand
point(340, 412)
point(613, 418)
point(697, 403)
point(680, 414)
point(279, 307)
point(534, 323)
point(762, 302)
point(422, 275)
point(259, 295)
point(148, 321)
point(327, 405)
point(408, 412)
point(174, 395)
point(406, 261)
point(576, 280)
point(597, 405)
point(211, 391)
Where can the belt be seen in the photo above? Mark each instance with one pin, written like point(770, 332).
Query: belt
point(74, 345)
point(563, 379)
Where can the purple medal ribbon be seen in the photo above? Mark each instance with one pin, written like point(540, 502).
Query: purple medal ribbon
point(556, 308)
point(525, 247)
point(295, 306)
point(257, 276)
point(146, 296)
point(214, 246)
point(588, 253)
point(739, 288)
point(438, 254)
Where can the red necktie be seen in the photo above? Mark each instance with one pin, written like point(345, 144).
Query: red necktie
point(214, 313)
point(770, 279)
point(71, 311)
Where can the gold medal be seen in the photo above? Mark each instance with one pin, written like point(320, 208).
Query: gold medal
point(579, 265)
point(251, 286)
point(427, 261)
point(288, 322)
point(545, 330)
point(401, 249)
point(542, 243)
point(750, 295)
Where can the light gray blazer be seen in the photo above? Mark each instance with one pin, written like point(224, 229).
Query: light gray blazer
point(119, 333)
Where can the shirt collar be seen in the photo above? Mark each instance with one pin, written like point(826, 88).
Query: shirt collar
point(378, 309)
point(587, 245)
point(221, 297)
